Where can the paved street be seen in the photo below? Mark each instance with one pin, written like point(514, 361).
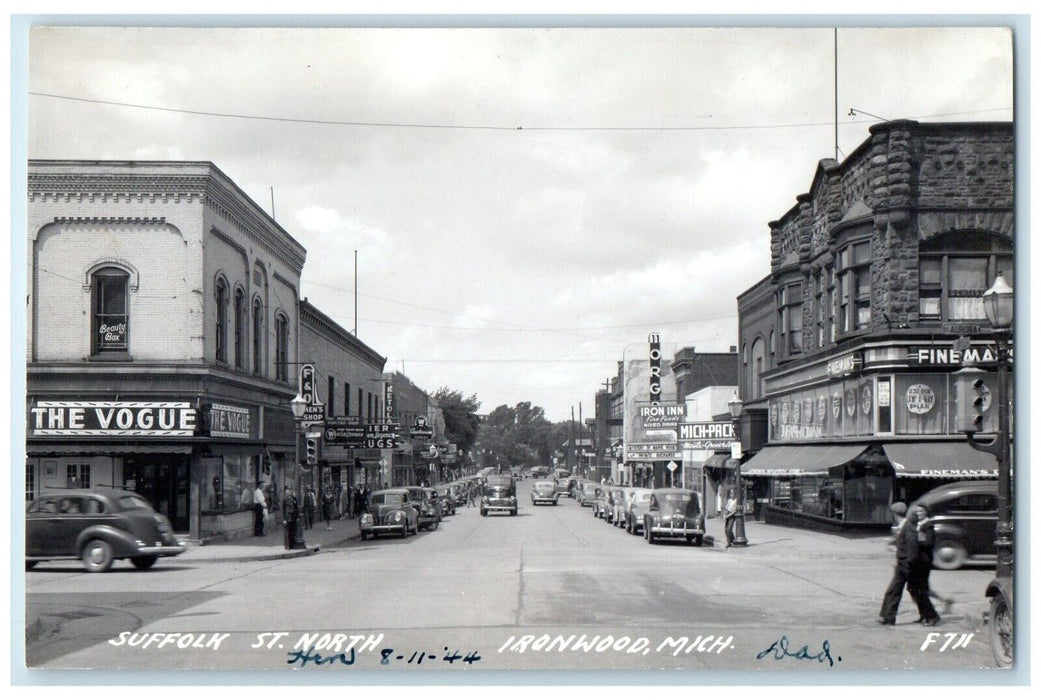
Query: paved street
point(513, 590)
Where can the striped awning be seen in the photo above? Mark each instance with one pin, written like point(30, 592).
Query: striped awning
point(800, 460)
point(940, 460)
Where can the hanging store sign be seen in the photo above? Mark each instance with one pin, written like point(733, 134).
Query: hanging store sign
point(667, 415)
point(712, 435)
point(948, 355)
point(230, 421)
point(655, 342)
point(112, 418)
point(652, 451)
point(346, 431)
point(381, 436)
point(315, 411)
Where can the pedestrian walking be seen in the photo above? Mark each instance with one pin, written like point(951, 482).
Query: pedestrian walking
point(356, 506)
point(899, 511)
point(730, 517)
point(290, 517)
point(328, 504)
point(345, 503)
point(259, 510)
point(914, 554)
point(471, 494)
point(310, 504)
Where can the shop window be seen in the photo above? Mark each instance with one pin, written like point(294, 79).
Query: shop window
point(30, 481)
point(77, 476)
point(240, 328)
point(221, 297)
point(258, 337)
point(229, 483)
point(868, 495)
point(854, 282)
point(110, 304)
point(282, 350)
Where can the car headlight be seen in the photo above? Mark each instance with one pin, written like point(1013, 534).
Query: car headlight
point(513, 499)
point(366, 519)
point(398, 516)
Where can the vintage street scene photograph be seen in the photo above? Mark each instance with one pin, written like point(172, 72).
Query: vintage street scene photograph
point(578, 348)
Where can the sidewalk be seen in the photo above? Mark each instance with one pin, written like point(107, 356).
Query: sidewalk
point(271, 544)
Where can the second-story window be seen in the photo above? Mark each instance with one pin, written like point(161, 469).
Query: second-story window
point(240, 328)
point(346, 398)
point(258, 337)
point(221, 294)
point(791, 318)
point(950, 287)
point(854, 271)
point(330, 400)
point(110, 319)
point(281, 348)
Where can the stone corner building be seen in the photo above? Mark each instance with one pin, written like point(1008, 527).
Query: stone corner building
point(849, 344)
point(162, 339)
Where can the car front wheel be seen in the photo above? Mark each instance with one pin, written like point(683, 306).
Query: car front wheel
point(1001, 631)
point(143, 562)
point(97, 556)
point(949, 555)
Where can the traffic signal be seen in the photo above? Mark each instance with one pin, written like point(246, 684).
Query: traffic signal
point(311, 450)
point(972, 399)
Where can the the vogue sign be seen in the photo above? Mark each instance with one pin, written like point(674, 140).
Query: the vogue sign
point(112, 418)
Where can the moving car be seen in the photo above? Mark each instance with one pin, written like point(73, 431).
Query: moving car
point(97, 526)
point(965, 519)
point(636, 501)
point(544, 491)
point(389, 511)
point(500, 494)
point(674, 513)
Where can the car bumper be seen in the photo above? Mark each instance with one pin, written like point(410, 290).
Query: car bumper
point(500, 506)
point(382, 528)
point(544, 499)
point(677, 530)
point(169, 550)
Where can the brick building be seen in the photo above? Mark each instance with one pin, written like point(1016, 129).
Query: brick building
point(349, 376)
point(162, 329)
point(848, 346)
point(422, 428)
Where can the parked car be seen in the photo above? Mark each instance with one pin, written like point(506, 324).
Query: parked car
point(674, 513)
point(427, 514)
point(615, 507)
point(543, 491)
point(389, 511)
point(97, 526)
point(599, 501)
point(587, 491)
point(635, 504)
point(459, 491)
point(965, 518)
point(445, 500)
point(500, 494)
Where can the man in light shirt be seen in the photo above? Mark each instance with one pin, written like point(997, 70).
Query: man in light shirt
point(259, 508)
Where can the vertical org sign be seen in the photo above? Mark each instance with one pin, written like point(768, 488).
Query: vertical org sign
point(655, 342)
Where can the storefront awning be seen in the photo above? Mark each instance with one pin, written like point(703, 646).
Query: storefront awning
point(52, 449)
point(799, 460)
point(944, 460)
point(718, 460)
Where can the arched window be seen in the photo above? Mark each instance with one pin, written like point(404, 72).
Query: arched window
point(258, 337)
point(221, 294)
point(110, 318)
point(240, 328)
point(757, 368)
point(282, 351)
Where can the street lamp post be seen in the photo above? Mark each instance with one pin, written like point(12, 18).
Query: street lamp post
point(998, 305)
point(299, 406)
point(739, 521)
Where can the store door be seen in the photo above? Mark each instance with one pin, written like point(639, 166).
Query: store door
point(163, 480)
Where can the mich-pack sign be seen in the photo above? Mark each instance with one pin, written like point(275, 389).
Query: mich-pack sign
point(709, 435)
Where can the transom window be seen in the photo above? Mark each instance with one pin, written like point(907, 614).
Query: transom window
point(110, 318)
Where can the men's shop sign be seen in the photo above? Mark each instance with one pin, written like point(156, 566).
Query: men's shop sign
point(112, 418)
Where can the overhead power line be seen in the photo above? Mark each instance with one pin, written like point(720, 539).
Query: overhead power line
point(472, 127)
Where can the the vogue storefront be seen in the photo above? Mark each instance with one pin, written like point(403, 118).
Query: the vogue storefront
point(853, 433)
point(197, 461)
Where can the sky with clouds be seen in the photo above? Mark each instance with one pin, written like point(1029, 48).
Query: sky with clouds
point(524, 202)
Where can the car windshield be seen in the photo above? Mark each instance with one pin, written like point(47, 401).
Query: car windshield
point(683, 502)
point(386, 499)
point(542, 485)
point(133, 502)
point(641, 499)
